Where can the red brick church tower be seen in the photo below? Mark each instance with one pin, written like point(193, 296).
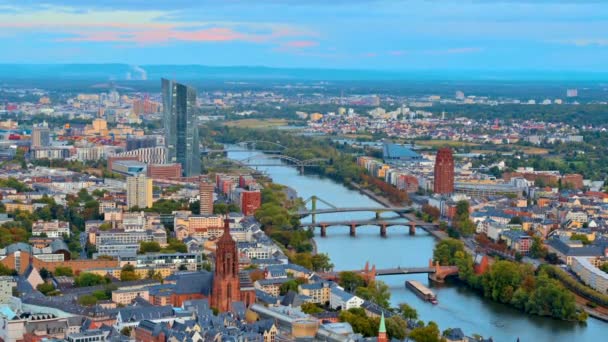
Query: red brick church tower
point(226, 285)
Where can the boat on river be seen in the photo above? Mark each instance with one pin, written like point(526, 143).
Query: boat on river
point(421, 291)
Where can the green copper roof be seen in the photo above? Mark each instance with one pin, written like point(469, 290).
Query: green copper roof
point(382, 328)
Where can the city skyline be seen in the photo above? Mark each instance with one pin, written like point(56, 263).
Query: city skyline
point(447, 34)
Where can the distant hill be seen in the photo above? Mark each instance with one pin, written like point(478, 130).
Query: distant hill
point(105, 72)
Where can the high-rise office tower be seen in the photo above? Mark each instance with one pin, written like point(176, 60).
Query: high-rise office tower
point(444, 172)
point(139, 191)
point(206, 197)
point(181, 126)
point(41, 136)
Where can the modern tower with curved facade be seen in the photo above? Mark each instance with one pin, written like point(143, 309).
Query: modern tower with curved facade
point(181, 126)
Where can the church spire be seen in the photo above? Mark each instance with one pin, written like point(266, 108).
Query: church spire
point(382, 330)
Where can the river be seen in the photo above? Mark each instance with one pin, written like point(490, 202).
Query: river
point(458, 306)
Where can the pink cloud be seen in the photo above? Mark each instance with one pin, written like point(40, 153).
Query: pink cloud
point(155, 33)
point(397, 53)
point(215, 34)
point(300, 44)
point(370, 54)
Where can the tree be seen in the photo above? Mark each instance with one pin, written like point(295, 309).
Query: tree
point(105, 226)
point(127, 273)
point(126, 331)
point(538, 249)
point(580, 237)
point(377, 292)
point(428, 333)
point(45, 288)
point(361, 324)
point(290, 285)
point(149, 247)
point(396, 327)
point(44, 273)
point(63, 271)
point(321, 262)
point(86, 279)
point(310, 308)
point(516, 220)
point(408, 312)
point(174, 246)
point(445, 251)
point(87, 300)
point(4, 270)
point(350, 281)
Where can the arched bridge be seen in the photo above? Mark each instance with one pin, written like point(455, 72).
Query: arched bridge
point(306, 212)
point(314, 211)
point(383, 225)
point(435, 272)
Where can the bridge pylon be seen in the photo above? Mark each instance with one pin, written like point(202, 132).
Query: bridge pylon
point(353, 230)
point(383, 230)
point(412, 228)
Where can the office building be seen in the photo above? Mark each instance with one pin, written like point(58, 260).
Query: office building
point(41, 137)
point(134, 143)
point(206, 198)
point(139, 192)
point(164, 171)
point(181, 127)
point(444, 172)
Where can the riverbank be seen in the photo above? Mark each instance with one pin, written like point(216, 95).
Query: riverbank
point(459, 307)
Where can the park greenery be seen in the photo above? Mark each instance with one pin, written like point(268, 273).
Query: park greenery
point(279, 222)
point(340, 167)
point(396, 326)
point(373, 290)
point(79, 208)
point(86, 279)
point(575, 286)
point(511, 283)
point(462, 224)
point(173, 246)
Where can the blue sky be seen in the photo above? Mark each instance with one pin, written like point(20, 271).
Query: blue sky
point(362, 34)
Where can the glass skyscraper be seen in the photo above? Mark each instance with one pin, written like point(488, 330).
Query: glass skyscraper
point(181, 126)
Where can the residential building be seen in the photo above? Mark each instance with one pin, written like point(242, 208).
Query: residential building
point(52, 229)
point(319, 292)
point(41, 136)
point(127, 296)
point(342, 300)
point(206, 198)
point(587, 270)
point(139, 192)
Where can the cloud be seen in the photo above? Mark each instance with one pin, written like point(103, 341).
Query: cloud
point(584, 42)
point(454, 51)
point(153, 36)
point(299, 44)
point(143, 28)
point(397, 53)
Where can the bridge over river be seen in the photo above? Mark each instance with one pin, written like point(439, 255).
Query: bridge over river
point(435, 272)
